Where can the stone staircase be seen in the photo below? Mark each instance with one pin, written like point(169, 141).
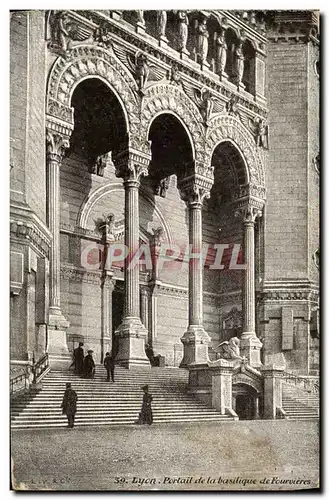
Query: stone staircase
point(107, 403)
point(299, 404)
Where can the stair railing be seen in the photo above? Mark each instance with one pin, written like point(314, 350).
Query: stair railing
point(32, 374)
point(307, 384)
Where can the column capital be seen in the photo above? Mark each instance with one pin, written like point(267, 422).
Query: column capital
point(131, 164)
point(196, 183)
point(248, 213)
point(57, 144)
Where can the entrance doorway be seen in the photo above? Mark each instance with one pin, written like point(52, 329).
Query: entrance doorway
point(246, 402)
point(117, 315)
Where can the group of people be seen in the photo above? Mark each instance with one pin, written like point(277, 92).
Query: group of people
point(85, 366)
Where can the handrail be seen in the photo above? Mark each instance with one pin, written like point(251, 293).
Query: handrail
point(32, 374)
point(308, 384)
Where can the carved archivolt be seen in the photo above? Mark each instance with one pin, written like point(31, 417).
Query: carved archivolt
point(86, 61)
point(167, 98)
point(229, 128)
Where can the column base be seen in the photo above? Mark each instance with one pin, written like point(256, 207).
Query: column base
point(131, 336)
point(195, 341)
point(250, 347)
point(59, 356)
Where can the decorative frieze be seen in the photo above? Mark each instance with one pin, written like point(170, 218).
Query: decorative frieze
point(28, 232)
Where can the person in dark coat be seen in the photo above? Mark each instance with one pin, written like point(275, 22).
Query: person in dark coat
point(89, 365)
point(109, 365)
point(78, 357)
point(69, 405)
point(146, 416)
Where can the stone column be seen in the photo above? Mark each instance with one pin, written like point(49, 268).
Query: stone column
point(250, 345)
point(144, 305)
point(57, 325)
point(272, 391)
point(107, 289)
point(193, 191)
point(222, 386)
point(131, 165)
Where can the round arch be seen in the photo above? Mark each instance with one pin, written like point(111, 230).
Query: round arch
point(84, 62)
point(167, 98)
point(99, 192)
point(227, 128)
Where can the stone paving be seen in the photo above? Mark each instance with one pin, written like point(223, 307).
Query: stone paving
point(233, 455)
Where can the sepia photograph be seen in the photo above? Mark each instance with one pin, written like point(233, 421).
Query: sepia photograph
point(164, 250)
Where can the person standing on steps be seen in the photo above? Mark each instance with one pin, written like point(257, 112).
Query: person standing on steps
point(78, 357)
point(69, 405)
point(89, 365)
point(109, 365)
point(146, 416)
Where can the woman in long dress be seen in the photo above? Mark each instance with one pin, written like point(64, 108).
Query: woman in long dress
point(146, 416)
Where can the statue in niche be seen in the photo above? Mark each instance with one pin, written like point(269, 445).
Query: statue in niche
point(262, 134)
point(229, 350)
point(182, 31)
point(140, 17)
point(221, 52)
point(142, 71)
point(238, 61)
point(162, 187)
point(162, 23)
point(203, 36)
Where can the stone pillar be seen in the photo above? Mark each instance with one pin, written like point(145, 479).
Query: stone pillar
point(256, 415)
point(57, 324)
point(144, 305)
point(222, 386)
point(250, 345)
point(193, 191)
point(106, 329)
point(272, 391)
point(131, 165)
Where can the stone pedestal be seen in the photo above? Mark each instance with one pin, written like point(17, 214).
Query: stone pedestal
point(272, 391)
point(132, 336)
point(222, 386)
point(250, 347)
point(195, 341)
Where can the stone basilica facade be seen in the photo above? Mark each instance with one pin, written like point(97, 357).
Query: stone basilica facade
point(165, 128)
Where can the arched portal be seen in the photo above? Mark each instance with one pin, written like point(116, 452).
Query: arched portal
point(170, 146)
point(99, 121)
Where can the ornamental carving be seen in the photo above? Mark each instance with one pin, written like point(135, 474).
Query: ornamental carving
point(229, 128)
point(170, 98)
point(57, 144)
point(89, 61)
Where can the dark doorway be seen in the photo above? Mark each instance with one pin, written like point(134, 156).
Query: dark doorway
point(117, 315)
point(245, 406)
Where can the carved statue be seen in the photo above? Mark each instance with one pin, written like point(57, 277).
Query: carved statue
point(262, 134)
point(102, 35)
point(229, 349)
point(162, 187)
point(162, 22)
point(100, 164)
point(203, 36)
point(183, 30)
point(174, 75)
point(316, 163)
point(106, 226)
point(157, 237)
point(238, 61)
point(61, 33)
point(142, 71)
point(221, 53)
point(140, 17)
point(231, 106)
